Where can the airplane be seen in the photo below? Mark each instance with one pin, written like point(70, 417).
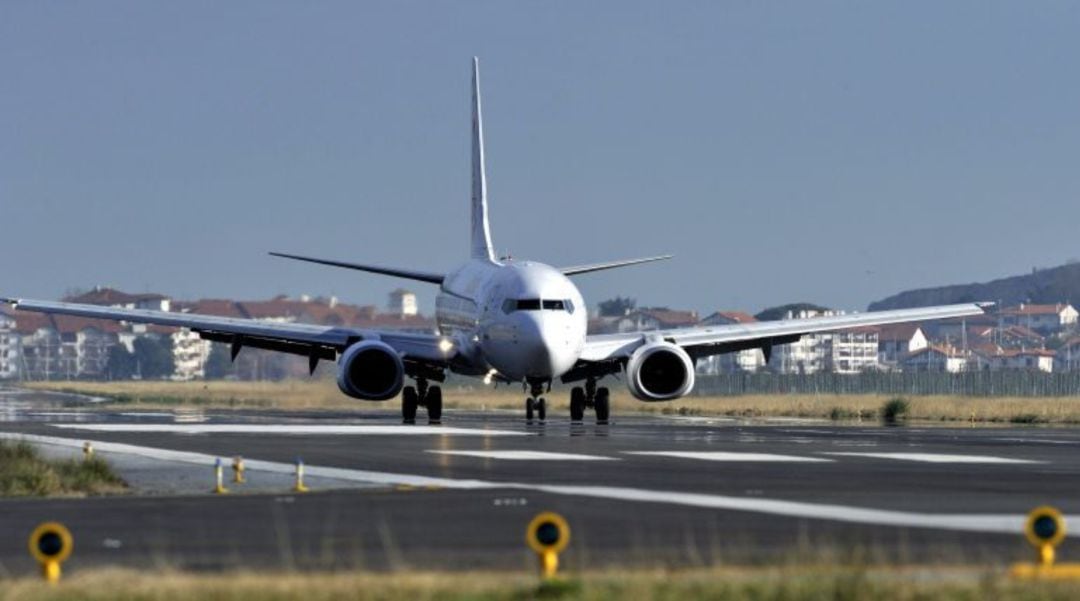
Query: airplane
point(504, 320)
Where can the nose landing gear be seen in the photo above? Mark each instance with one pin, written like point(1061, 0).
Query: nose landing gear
point(535, 404)
point(598, 399)
point(421, 396)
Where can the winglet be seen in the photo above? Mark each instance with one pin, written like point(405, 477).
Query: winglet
point(481, 231)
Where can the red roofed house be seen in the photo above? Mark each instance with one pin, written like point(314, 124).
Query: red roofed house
point(1044, 319)
point(1068, 356)
point(1029, 359)
point(749, 360)
point(655, 319)
point(935, 358)
point(900, 340)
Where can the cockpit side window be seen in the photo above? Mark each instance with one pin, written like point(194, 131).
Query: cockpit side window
point(528, 304)
point(554, 305)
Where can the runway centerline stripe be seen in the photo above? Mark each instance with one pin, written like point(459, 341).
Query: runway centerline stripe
point(729, 456)
point(937, 458)
point(992, 523)
point(525, 455)
point(339, 430)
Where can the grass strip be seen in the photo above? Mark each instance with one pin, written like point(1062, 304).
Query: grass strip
point(782, 583)
point(25, 473)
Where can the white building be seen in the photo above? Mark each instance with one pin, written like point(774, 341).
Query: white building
point(190, 353)
point(808, 354)
point(9, 348)
point(852, 351)
point(935, 358)
point(403, 302)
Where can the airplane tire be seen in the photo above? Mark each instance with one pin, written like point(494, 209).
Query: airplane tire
point(577, 404)
point(434, 405)
point(603, 405)
point(409, 402)
point(541, 409)
point(529, 409)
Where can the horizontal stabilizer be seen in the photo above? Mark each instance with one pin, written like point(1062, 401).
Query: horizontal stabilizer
point(577, 269)
point(434, 278)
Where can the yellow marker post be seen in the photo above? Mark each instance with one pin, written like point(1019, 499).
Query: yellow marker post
point(219, 478)
point(50, 544)
point(238, 470)
point(88, 451)
point(300, 486)
point(1045, 529)
point(548, 534)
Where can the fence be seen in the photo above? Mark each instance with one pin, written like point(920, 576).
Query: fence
point(980, 383)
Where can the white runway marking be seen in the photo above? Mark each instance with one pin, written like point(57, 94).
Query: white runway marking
point(398, 430)
point(726, 456)
point(935, 458)
point(526, 455)
point(994, 523)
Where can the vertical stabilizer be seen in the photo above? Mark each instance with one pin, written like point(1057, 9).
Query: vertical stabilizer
point(481, 232)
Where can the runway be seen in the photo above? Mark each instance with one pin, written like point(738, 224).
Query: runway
point(640, 491)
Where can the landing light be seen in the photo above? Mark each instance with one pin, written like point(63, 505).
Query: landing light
point(445, 345)
point(489, 377)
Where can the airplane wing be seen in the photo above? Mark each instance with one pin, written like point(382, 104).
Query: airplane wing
point(314, 341)
point(714, 340)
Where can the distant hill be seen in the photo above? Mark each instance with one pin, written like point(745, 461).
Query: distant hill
point(1041, 286)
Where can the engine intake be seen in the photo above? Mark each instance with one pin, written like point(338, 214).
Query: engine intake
point(371, 370)
point(660, 371)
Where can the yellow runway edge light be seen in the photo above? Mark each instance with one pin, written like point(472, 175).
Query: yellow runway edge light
point(1045, 529)
point(548, 534)
point(50, 544)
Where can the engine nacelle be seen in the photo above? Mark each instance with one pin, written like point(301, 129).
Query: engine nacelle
point(371, 370)
point(660, 371)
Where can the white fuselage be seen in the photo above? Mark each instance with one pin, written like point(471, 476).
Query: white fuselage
point(525, 320)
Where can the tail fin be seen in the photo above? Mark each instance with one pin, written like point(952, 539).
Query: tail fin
point(481, 231)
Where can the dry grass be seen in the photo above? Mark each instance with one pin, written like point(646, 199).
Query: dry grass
point(23, 472)
point(322, 394)
point(787, 583)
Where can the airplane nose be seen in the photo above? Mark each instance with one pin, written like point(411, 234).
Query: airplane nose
point(543, 345)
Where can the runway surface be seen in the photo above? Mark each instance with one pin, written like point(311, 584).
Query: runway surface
point(640, 491)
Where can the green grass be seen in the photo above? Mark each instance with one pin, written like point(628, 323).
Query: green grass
point(762, 584)
point(24, 472)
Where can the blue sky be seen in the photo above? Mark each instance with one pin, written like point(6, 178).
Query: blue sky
point(834, 152)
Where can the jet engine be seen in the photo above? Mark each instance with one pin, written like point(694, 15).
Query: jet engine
point(660, 371)
point(371, 370)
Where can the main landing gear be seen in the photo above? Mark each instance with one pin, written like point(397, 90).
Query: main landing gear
point(598, 399)
point(421, 396)
point(536, 404)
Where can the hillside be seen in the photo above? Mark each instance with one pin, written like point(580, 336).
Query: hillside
point(1058, 284)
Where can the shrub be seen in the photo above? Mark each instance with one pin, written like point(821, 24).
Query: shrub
point(895, 410)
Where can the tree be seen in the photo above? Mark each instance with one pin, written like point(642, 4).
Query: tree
point(617, 307)
point(218, 365)
point(154, 357)
point(121, 364)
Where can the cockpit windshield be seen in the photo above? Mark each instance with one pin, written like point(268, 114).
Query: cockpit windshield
point(534, 304)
